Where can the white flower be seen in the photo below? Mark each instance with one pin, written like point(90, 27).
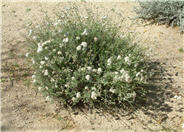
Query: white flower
point(77, 37)
point(33, 76)
point(46, 42)
point(127, 78)
point(82, 69)
point(85, 32)
point(86, 87)
point(65, 40)
point(112, 90)
point(142, 78)
point(46, 72)
point(109, 61)
point(37, 26)
point(89, 68)
point(39, 88)
point(34, 80)
point(34, 37)
point(95, 39)
point(66, 85)
point(42, 62)
point(54, 50)
point(41, 66)
point(46, 88)
point(104, 17)
point(73, 99)
point(94, 70)
point(93, 88)
point(56, 85)
point(84, 44)
point(116, 73)
point(78, 48)
point(60, 31)
point(73, 78)
point(99, 70)
point(122, 71)
point(127, 60)
point(27, 54)
point(86, 17)
point(46, 47)
point(48, 98)
point(93, 95)
point(137, 74)
point(30, 32)
point(33, 61)
point(87, 77)
point(46, 58)
point(78, 95)
point(59, 20)
point(119, 57)
point(39, 49)
point(183, 125)
point(52, 80)
point(59, 52)
point(136, 65)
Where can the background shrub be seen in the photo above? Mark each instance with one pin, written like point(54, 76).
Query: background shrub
point(83, 60)
point(163, 12)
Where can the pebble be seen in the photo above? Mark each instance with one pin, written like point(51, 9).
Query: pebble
point(76, 113)
point(176, 74)
point(117, 118)
point(177, 97)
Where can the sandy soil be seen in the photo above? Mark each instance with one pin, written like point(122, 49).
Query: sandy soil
point(25, 110)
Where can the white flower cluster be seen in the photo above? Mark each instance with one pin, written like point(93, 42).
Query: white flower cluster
point(112, 90)
point(88, 77)
point(127, 60)
point(90, 69)
point(123, 75)
point(93, 95)
point(34, 78)
point(119, 57)
point(84, 33)
point(79, 47)
point(65, 40)
point(40, 45)
point(139, 76)
point(109, 61)
point(48, 98)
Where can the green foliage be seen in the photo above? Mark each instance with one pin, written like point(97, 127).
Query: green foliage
point(181, 50)
point(84, 60)
point(163, 12)
point(28, 9)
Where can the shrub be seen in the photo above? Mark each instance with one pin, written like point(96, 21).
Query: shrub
point(163, 12)
point(83, 60)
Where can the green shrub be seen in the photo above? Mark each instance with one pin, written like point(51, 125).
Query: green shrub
point(83, 60)
point(163, 12)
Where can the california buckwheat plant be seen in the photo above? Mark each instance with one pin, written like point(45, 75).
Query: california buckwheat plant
point(84, 60)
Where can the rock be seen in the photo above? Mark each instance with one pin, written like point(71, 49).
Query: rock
point(176, 74)
point(76, 113)
point(117, 118)
point(164, 118)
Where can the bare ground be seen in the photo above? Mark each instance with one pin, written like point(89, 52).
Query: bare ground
point(25, 110)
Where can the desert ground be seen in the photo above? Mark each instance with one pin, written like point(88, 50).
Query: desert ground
point(24, 109)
